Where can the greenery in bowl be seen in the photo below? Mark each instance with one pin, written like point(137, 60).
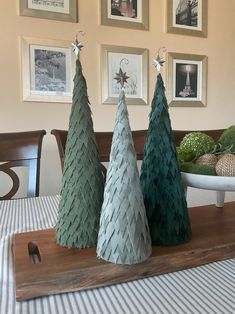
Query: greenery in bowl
point(196, 145)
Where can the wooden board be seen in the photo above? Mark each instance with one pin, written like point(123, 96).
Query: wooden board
point(65, 270)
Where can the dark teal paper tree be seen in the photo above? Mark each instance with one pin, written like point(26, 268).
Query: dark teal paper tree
point(82, 182)
point(160, 178)
point(124, 236)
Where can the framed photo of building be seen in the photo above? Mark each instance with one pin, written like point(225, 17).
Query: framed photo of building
point(187, 79)
point(48, 68)
point(133, 62)
point(187, 17)
point(125, 13)
point(62, 10)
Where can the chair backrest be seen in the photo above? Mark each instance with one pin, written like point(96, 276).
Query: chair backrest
point(21, 149)
point(104, 141)
point(61, 138)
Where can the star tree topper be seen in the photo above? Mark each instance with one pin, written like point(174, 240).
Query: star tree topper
point(158, 61)
point(77, 46)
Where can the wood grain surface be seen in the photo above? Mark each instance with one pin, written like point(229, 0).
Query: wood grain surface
point(44, 268)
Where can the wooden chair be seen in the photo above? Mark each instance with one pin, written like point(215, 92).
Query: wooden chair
point(104, 141)
point(21, 149)
point(61, 138)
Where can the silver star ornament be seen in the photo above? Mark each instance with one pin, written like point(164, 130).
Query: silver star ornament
point(77, 46)
point(158, 63)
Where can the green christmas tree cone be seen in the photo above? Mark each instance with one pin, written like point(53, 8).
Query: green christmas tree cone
point(82, 181)
point(160, 178)
point(124, 236)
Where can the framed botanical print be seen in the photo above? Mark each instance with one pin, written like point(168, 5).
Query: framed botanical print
point(135, 67)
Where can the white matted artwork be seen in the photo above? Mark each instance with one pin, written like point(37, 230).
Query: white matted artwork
point(133, 62)
point(130, 64)
point(125, 13)
point(47, 70)
point(187, 80)
point(61, 6)
point(187, 17)
point(125, 10)
point(62, 10)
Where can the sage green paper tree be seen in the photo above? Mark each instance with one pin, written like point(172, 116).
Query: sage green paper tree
point(160, 177)
point(82, 181)
point(124, 234)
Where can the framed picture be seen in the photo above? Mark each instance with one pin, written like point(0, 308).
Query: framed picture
point(187, 80)
point(62, 10)
point(187, 17)
point(133, 62)
point(48, 68)
point(125, 13)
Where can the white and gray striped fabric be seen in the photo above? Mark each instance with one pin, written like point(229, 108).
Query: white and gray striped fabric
point(204, 289)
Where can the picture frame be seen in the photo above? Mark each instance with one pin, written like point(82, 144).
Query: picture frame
point(187, 80)
point(133, 62)
point(61, 10)
point(188, 17)
point(47, 69)
point(129, 14)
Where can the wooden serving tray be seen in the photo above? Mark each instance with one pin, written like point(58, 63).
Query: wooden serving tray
point(44, 268)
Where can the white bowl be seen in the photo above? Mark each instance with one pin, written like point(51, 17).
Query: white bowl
point(206, 182)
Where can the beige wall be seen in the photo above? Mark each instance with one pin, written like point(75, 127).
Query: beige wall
point(17, 115)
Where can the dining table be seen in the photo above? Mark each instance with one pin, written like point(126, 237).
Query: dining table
point(204, 289)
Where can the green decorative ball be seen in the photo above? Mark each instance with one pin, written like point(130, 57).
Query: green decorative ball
point(197, 143)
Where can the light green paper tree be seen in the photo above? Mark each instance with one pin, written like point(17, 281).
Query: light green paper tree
point(82, 182)
point(160, 178)
point(124, 234)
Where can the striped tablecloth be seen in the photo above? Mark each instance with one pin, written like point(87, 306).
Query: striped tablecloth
point(204, 289)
